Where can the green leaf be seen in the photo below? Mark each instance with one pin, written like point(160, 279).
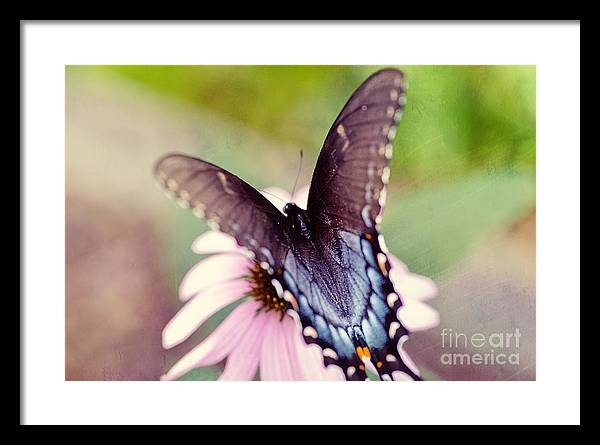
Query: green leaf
point(208, 373)
point(433, 228)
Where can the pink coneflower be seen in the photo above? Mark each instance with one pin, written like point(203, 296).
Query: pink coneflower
point(258, 335)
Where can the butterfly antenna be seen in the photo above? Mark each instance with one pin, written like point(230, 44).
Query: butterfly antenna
point(273, 195)
point(298, 174)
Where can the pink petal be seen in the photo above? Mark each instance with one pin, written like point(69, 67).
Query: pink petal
point(278, 360)
point(288, 328)
point(301, 196)
point(242, 363)
point(200, 308)
point(268, 357)
point(218, 344)
point(278, 197)
point(310, 360)
point(213, 270)
point(214, 242)
point(417, 316)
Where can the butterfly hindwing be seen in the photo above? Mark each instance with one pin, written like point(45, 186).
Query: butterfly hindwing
point(348, 185)
point(359, 309)
point(228, 203)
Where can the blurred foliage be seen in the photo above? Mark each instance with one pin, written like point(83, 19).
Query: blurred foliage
point(433, 228)
point(457, 118)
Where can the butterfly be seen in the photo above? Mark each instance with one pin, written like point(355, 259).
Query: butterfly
point(328, 261)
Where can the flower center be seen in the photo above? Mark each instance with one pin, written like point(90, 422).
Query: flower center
point(264, 291)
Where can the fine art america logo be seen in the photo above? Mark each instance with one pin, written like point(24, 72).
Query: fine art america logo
point(499, 348)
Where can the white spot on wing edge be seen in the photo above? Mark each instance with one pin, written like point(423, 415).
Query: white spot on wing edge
point(394, 326)
point(405, 357)
point(366, 216)
point(402, 376)
point(172, 184)
point(309, 331)
point(328, 352)
point(385, 174)
point(391, 299)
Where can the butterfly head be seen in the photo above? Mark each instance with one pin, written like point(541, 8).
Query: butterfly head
point(298, 219)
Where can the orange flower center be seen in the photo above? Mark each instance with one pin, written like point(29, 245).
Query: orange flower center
point(264, 291)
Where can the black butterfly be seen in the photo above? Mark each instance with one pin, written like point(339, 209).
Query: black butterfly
point(329, 261)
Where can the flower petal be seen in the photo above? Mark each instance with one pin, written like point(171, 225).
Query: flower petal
point(310, 360)
point(242, 363)
point(268, 357)
point(278, 360)
point(301, 196)
point(213, 270)
point(278, 197)
point(214, 241)
point(417, 316)
point(288, 329)
point(410, 284)
point(200, 308)
point(414, 286)
point(218, 344)
point(397, 265)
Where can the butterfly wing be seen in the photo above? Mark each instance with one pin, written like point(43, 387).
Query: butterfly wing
point(363, 291)
point(348, 184)
point(228, 204)
point(346, 302)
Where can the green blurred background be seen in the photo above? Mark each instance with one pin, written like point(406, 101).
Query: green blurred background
point(461, 200)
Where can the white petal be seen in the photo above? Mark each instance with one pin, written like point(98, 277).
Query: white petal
point(242, 363)
point(417, 316)
point(213, 270)
point(278, 197)
point(414, 286)
point(397, 265)
point(218, 344)
point(301, 196)
point(200, 308)
point(214, 242)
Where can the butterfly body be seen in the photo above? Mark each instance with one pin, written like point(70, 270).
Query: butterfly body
point(329, 261)
point(298, 218)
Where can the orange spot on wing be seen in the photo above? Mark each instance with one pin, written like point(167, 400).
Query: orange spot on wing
point(363, 353)
point(367, 352)
point(360, 352)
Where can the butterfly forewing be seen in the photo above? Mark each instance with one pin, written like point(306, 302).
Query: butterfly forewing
point(228, 204)
point(348, 185)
